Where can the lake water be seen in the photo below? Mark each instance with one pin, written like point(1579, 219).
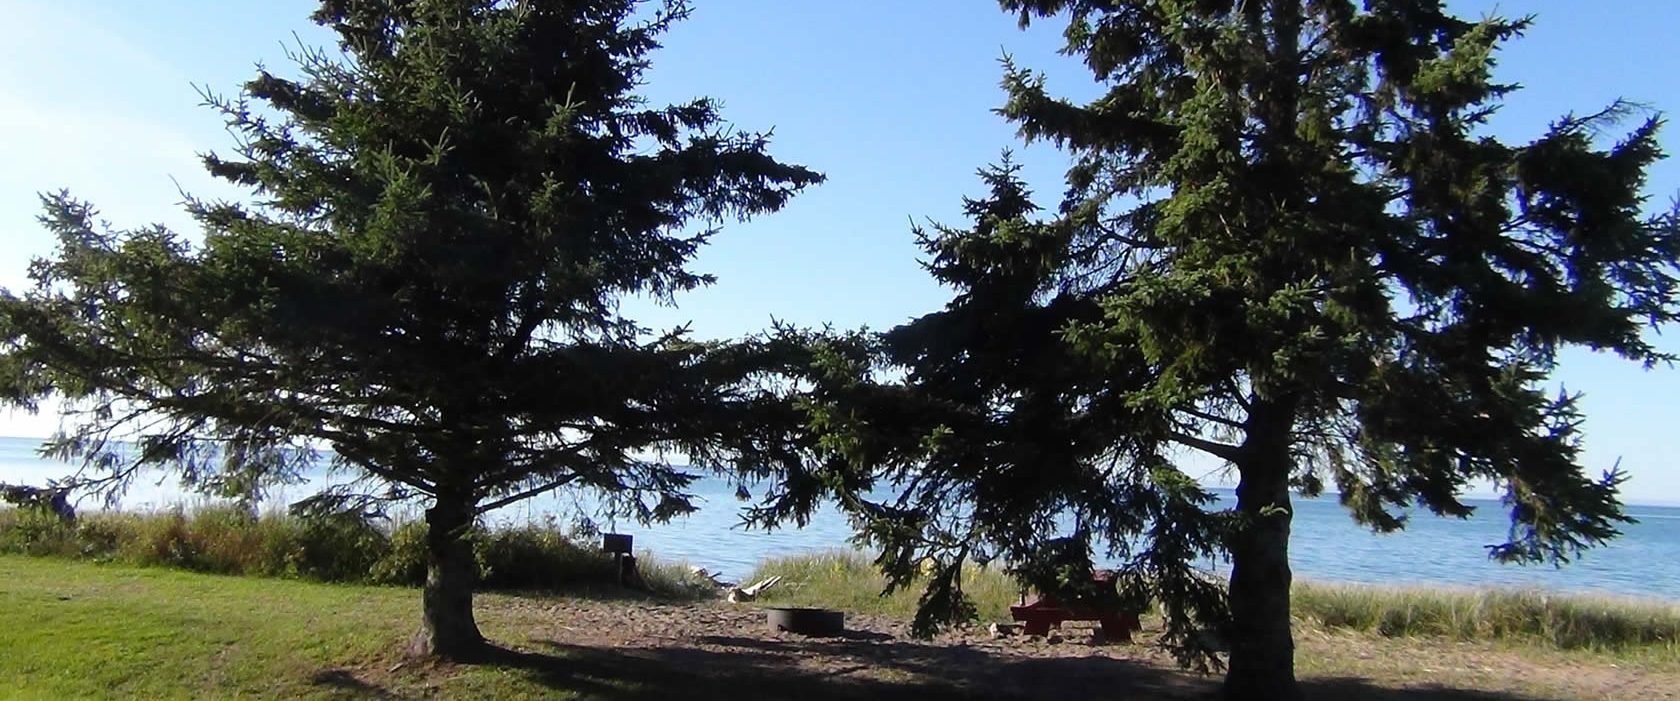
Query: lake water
point(1327, 545)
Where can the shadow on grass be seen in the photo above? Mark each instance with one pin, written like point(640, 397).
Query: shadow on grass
point(856, 669)
point(342, 683)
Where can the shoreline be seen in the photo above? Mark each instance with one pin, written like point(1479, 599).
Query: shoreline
point(744, 571)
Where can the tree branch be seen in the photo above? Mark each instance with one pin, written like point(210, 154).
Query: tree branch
point(1223, 451)
point(534, 491)
point(1211, 417)
point(1237, 394)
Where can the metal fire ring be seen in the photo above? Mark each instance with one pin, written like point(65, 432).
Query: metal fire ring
point(806, 621)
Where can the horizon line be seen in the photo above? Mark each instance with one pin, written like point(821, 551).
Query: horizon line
point(1478, 496)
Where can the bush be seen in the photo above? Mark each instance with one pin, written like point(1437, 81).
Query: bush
point(537, 557)
point(29, 531)
point(100, 537)
point(339, 547)
point(222, 540)
point(404, 563)
point(533, 557)
point(163, 540)
point(342, 547)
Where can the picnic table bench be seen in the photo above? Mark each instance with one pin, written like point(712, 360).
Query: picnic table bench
point(1117, 623)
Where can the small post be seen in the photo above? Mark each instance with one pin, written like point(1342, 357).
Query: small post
point(621, 546)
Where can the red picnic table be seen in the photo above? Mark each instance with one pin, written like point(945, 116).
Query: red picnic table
point(1040, 616)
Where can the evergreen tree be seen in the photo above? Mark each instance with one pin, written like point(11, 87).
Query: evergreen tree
point(1286, 243)
point(446, 214)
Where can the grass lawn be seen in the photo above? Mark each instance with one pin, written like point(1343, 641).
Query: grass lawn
point(81, 630)
point(72, 630)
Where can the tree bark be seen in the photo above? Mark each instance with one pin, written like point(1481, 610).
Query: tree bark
point(1262, 659)
point(448, 629)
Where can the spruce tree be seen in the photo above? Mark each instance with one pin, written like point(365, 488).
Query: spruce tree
point(446, 212)
point(1287, 242)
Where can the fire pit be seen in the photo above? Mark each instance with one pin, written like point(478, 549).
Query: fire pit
point(807, 621)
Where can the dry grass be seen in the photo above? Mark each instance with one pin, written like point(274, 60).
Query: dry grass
point(1563, 621)
point(847, 580)
point(220, 539)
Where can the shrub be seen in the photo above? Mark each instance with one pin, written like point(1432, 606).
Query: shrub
point(341, 547)
point(99, 537)
point(221, 539)
point(537, 557)
point(31, 531)
point(404, 563)
point(161, 540)
point(338, 547)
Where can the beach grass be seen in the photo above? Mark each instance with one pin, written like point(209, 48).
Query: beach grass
point(846, 580)
point(1563, 621)
point(344, 548)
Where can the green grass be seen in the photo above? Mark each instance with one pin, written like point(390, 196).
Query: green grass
point(81, 630)
point(76, 629)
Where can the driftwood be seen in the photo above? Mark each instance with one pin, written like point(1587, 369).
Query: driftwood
point(741, 594)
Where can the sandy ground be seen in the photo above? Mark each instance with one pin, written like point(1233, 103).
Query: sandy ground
point(628, 649)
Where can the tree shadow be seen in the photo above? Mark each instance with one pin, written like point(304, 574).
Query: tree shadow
point(342, 683)
point(1363, 690)
point(975, 669)
point(693, 673)
point(739, 667)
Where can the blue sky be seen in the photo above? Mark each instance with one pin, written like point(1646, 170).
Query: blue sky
point(891, 100)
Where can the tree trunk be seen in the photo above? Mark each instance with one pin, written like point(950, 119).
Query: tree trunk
point(448, 629)
point(1262, 661)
